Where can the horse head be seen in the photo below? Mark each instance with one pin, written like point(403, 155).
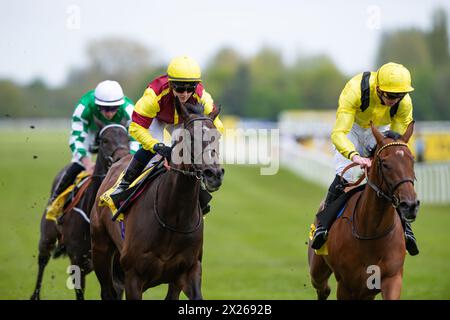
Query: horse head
point(112, 143)
point(394, 167)
point(196, 147)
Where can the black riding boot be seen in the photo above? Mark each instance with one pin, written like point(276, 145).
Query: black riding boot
point(66, 179)
point(324, 222)
point(411, 243)
point(204, 198)
point(135, 168)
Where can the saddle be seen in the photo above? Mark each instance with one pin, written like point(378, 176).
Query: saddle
point(334, 210)
point(119, 203)
point(69, 198)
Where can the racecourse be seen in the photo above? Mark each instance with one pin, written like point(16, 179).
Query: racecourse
point(255, 236)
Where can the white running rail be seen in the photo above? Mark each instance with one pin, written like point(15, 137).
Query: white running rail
point(432, 185)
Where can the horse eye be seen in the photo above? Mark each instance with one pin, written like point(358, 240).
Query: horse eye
point(104, 140)
point(387, 167)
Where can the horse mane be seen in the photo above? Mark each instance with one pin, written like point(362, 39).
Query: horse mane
point(197, 108)
point(387, 134)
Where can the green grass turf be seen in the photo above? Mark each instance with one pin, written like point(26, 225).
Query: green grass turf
point(255, 236)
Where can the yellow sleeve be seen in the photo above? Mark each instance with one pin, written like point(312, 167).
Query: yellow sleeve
point(143, 136)
point(146, 108)
point(403, 117)
point(147, 105)
point(219, 125)
point(208, 104)
point(349, 103)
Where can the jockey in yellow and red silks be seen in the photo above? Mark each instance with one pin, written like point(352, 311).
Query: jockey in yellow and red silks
point(380, 97)
point(155, 111)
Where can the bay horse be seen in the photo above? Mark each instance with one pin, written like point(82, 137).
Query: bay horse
point(366, 246)
point(163, 241)
point(74, 233)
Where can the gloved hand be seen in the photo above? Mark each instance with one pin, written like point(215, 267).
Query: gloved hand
point(163, 150)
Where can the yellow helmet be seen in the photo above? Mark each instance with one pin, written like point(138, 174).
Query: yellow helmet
point(185, 69)
point(394, 77)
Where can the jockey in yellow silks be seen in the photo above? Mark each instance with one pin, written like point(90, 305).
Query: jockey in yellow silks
point(380, 97)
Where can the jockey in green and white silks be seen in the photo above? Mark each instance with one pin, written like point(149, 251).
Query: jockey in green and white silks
point(109, 105)
point(84, 130)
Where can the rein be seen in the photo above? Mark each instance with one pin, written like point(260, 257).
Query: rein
point(380, 194)
point(360, 237)
point(165, 225)
point(197, 173)
point(390, 197)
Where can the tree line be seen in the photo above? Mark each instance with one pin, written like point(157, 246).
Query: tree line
point(259, 86)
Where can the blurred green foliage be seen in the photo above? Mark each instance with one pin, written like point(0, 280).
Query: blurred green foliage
point(259, 86)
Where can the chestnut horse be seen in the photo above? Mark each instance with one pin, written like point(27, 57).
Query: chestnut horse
point(163, 240)
point(366, 246)
point(74, 231)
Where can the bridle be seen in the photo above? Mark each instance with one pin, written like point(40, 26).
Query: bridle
point(109, 159)
point(390, 196)
point(195, 172)
point(379, 192)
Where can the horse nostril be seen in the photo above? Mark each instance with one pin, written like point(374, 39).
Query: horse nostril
point(404, 205)
point(208, 173)
point(409, 209)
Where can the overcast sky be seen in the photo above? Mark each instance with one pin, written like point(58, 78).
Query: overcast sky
point(45, 38)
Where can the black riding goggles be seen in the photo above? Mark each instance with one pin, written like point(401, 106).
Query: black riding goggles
point(181, 87)
point(393, 95)
point(108, 108)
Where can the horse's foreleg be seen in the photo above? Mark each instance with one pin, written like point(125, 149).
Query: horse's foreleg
point(191, 282)
point(47, 242)
point(391, 287)
point(320, 272)
point(342, 292)
point(102, 259)
point(118, 276)
point(79, 277)
point(79, 292)
point(173, 292)
point(133, 286)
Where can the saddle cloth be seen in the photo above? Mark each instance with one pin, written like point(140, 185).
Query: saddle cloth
point(57, 207)
point(135, 188)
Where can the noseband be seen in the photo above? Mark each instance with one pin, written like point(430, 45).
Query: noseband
point(196, 172)
point(391, 188)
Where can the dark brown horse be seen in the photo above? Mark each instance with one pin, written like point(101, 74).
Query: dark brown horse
point(366, 246)
point(73, 233)
point(164, 228)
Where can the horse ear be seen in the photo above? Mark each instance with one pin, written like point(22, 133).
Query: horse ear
point(98, 123)
point(215, 112)
point(181, 110)
point(408, 133)
point(376, 133)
